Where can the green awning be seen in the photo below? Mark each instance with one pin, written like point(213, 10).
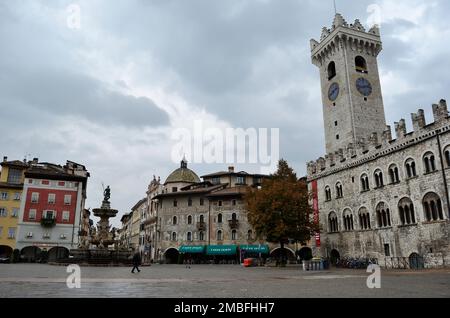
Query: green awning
point(263, 248)
point(189, 249)
point(221, 250)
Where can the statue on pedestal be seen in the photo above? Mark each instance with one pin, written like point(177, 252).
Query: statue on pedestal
point(107, 194)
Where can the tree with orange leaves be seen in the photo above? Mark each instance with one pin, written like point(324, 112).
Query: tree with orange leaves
point(279, 210)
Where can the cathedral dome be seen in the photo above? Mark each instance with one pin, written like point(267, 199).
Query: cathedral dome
point(183, 174)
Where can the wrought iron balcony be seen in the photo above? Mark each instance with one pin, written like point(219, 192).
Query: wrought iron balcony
point(201, 226)
point(234, 224)
point(48, 221)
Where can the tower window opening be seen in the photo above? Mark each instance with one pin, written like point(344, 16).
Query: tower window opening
point(361, 64)
point(331, 70)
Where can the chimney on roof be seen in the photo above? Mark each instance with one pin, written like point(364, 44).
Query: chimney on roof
point(5, 158)
point(231, 169)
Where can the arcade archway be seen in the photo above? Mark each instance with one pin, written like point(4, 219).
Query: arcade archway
point(171, 256)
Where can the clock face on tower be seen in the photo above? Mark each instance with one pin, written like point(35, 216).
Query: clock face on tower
point(333, 92)
point(364, 86)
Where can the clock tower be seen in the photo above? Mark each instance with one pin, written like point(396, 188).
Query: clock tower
point(351, 92)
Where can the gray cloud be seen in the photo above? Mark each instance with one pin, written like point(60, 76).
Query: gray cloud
point(246, 62)
point(66, 93)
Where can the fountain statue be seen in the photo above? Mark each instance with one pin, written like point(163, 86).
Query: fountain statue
point(103, 239)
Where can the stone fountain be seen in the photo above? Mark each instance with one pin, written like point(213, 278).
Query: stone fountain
point(102, 247)
point(104, 237)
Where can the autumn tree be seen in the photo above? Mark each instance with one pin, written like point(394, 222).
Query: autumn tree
point(279, 210)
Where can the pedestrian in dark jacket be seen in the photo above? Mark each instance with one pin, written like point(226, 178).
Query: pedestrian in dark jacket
point(136, 262)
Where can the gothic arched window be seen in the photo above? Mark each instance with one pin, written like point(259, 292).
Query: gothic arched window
point(410, 166)
point(432, 206)
point(378, 175)
point(447, 157)
point(365, 183)
point(339, 192)
point(333, 223)
point(364, 219)
point(393, 174)
point(348, 220)
point(327, 193)
point(429, 162)
point(406, 211)
point(383, 215)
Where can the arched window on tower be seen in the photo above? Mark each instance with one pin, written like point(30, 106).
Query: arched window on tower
point(429, 162)
point(378, 175)
point(331, 70)
point(406, 211)
point(432, 206)
point(327, 193)
point(348, 220)
point(383, 215)
point(364, 219)
point(410, 166)
point(393, 174)
point(174, 220)
point(333, 223)
point(447, 157)
point(339, 192)
point(360, 64)
point(364, 183)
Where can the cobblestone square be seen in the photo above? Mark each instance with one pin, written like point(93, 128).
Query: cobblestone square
point(217, 281)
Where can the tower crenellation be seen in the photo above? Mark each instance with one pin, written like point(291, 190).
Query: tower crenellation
point(440, 111)
point(400, 129)
point(376, 144)
point(418, 120)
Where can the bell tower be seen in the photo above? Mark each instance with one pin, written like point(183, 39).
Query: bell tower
point(351, 92)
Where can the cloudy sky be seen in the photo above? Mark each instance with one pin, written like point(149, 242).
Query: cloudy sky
point(111, 91)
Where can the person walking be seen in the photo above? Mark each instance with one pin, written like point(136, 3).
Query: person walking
point(136, 262)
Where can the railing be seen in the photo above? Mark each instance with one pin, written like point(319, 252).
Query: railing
point(355, 263)
point(414, 262)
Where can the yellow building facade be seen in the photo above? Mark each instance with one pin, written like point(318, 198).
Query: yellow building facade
point(11, 186)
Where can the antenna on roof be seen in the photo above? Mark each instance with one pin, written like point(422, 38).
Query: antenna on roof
point(335, 10)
